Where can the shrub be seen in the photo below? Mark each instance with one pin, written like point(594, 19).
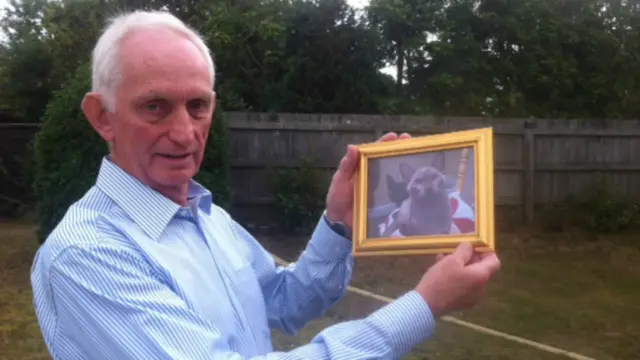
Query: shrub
point(299, 198)
point(12, 181)
point(68, 153)
point(607, 212)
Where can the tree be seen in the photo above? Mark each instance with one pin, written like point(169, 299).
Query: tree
point(404, 25)
point(26, 60)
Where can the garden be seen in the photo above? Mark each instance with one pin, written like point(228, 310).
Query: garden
point(570, 281)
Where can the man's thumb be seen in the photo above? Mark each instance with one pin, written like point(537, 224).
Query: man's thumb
point(464, 252)
point(348, 163)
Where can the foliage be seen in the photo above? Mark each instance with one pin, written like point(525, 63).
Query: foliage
point(529, 58)
point(609, 213)
point(25, 61)
point(68, 153)
point(61, 20)
point(597, 210)
point(214, 172)
point(293, 56)
point(14, 178)
point(542, 58)
point(299, 197)
point(403, 25)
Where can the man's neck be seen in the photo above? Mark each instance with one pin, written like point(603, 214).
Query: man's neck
point(178, 193)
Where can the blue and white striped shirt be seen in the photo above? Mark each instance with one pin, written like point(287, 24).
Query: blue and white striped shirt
point(129, 274)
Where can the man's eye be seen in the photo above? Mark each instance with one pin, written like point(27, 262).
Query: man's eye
point(198, 107)
point(153, 106)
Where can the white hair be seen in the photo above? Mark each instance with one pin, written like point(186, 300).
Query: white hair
point(106, 73)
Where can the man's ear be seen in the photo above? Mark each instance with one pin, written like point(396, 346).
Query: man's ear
point(406, 171)
point(94, 110)
point(391, 184)
point(438, 161)
point(438, 183)
point(397, 190)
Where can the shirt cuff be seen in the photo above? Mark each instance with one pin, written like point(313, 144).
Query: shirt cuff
point(408, 321)
point(328, 244)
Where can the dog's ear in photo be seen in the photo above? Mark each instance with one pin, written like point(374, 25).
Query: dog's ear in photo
point(406, 171)
point(438, 161)
point(397, 190)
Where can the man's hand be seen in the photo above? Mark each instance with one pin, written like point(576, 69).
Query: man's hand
point(457, 281)
point(340, 195)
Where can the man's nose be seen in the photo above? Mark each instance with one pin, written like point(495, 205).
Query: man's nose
point(182, 129)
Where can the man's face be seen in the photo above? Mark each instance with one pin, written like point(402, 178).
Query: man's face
point(164, 105)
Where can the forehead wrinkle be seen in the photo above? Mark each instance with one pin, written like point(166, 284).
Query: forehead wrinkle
point(170, 87)
point(184, 94)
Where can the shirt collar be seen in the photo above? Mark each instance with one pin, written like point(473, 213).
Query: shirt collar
point(148, 208)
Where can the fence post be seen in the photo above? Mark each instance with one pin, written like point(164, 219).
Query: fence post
point(529, 172)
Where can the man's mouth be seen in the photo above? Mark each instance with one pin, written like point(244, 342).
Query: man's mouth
point(175, 156)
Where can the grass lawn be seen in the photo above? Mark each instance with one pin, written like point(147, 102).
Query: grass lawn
point(576, 295)
point(20, 337)
point(576, 292)
point(449, 342)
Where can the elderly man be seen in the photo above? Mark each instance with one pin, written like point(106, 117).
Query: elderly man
point(146, 266)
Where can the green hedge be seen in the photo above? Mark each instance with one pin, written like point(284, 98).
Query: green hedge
point(68, 154)
point(300, 197)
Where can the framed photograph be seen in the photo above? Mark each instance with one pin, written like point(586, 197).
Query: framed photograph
point(425, 195)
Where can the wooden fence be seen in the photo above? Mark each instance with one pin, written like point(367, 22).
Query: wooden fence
point(537, 161)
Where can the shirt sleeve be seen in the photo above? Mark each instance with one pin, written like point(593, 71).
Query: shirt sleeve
point(306, 289)
point(111, 305)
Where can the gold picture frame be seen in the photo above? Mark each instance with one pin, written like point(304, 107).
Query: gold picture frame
point(428, 174)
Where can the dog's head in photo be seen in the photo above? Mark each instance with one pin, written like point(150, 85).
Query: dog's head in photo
point(424, 184)
point(426, 209)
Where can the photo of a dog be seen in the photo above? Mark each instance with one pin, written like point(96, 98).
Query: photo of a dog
point(426, 211)
point(421, 195)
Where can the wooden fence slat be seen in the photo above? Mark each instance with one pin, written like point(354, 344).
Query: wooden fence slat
point(528, 186)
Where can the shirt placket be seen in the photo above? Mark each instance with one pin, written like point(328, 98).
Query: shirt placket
point(222, 267)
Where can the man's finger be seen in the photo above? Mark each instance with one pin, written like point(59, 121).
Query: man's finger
point(404, 136)
point(485, 254)
point(436, 260)
point(388, 137)
point(464, 253)
point(476, 257)
point(491, 264)
point(348, 164)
